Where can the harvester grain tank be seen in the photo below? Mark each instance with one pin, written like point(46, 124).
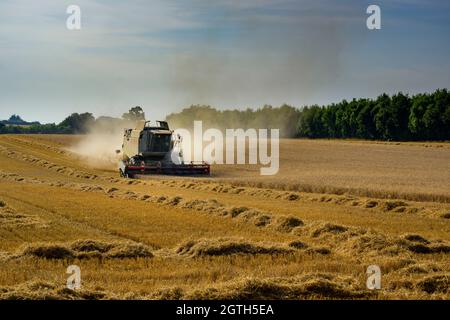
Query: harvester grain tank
point(150, 150)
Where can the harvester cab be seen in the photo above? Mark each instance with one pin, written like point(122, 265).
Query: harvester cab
point(154, 149)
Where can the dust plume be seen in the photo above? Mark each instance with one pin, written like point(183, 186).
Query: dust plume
point(270, 59)
point(98, 147)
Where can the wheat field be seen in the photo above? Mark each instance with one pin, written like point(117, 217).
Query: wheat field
point(309, 232)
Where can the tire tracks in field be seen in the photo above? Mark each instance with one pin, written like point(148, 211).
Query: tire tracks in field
point(382, 205)
point(60, 169)
point(12, 153)
point(36, 143)
point(75, 223)
point(253, 216)
point(386, 205)
point(343, 239)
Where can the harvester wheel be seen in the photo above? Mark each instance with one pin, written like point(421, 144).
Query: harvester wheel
point(126, 174)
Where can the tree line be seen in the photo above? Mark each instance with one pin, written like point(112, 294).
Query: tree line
point(284, 118)
point(398, 117)
point(424, 116)
point(76, 123)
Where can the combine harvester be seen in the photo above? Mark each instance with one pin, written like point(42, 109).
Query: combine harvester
point(148, 150)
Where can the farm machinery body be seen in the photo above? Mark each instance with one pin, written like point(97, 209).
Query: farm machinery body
point(150, 150)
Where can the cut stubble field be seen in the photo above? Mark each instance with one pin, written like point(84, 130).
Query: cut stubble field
point(309, 232)
point(413, 171)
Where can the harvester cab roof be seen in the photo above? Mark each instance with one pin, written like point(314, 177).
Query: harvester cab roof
point(146, 125)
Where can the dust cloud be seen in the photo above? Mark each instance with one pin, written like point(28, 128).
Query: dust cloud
point(98, 147)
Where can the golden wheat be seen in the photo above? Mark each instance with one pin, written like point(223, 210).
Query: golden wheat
point(308, 233)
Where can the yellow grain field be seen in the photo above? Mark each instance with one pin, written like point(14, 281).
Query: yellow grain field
point(309, 232)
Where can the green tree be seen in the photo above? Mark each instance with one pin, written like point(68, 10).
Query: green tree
point(385, 123)
point(77, 123)
point(416, 123)
point(366, 127)
point(134, 114)
point(329, 121)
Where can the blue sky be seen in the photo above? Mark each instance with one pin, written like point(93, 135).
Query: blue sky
point(167, 54)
